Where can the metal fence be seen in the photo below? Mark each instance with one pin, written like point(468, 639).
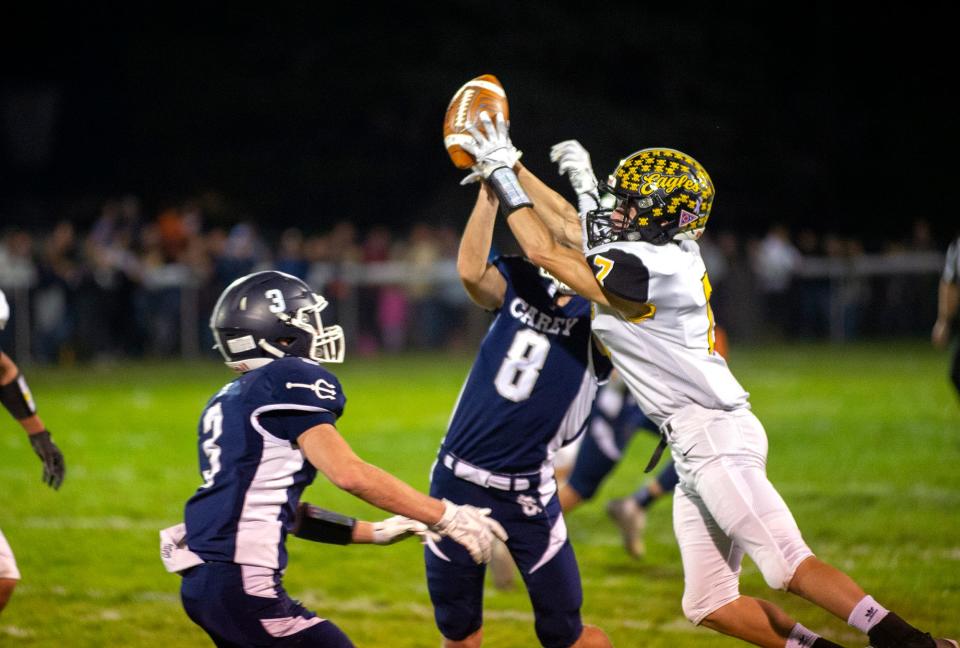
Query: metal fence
point(395, 306)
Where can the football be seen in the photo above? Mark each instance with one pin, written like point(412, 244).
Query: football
point(482, 93)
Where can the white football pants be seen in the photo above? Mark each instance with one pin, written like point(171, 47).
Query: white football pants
point(724, 506)
point(8, 565)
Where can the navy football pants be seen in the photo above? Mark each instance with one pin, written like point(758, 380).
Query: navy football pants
point(217, 597)
point(539, 545)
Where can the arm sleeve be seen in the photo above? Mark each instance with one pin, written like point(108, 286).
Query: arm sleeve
point(621, 274)
point(304, 396)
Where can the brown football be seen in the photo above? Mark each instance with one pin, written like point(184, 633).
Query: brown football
point(483, 93)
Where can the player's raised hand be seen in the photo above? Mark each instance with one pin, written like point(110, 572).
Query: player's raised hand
point(490, 145)
point(574, 161)
point(54, 467)
point(472, 527)
point(396, 528)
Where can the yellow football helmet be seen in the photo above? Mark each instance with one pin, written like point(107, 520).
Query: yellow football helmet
point(655, 195)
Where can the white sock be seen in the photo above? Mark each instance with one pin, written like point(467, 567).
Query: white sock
point(800, 637)
point(867, 614)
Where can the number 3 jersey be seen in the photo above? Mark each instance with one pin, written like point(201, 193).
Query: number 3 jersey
point(666, 353)
point(252, 469)
point(532, 384)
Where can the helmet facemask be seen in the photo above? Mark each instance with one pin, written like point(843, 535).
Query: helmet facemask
point(327, 342)
point(623, 216)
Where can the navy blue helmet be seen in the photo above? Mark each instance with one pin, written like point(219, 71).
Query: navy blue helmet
point(268, 315)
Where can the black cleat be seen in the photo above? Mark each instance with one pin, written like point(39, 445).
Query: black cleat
point(894, 632)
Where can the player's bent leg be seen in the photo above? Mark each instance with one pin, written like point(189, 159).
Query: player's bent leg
point(472, 641)
point(836, 592)
point(726, 465)
point(7, 585)
point(753, 620)
point(599, 454)
point(631, 518)
point(454, 580)
point(323, 635)
point(239, 605)
point(667, 479)
point(592, 637)
point(570, 499)
point(548, 565)
point(826, 586)
point(455, 585)
point(748, 509)
point(556, 596)
point(711, 561)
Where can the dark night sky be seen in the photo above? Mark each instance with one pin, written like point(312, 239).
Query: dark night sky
point(839, 122)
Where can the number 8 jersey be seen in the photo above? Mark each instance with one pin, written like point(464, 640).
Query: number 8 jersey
point(666, 353)
point(531, 386)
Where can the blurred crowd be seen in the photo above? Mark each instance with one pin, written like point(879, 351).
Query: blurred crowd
point(126, 284)
point(808, 285)
point(134, 286)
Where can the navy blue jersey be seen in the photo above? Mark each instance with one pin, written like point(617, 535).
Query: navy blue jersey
point(532, 383)
point(252, 469)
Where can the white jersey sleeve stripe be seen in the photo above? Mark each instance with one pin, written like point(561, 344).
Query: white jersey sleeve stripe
point(269, 438)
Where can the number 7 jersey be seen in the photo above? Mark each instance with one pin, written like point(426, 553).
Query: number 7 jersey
point(666, 353)
point(531, 386)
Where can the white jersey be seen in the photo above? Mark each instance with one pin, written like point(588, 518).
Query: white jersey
point(666, 355)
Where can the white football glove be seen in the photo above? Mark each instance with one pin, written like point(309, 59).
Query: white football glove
point(395, 529)
point(490, 146)
point(472, 527)
point(574, 161)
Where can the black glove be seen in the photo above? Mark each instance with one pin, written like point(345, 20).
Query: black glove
point(53, 466)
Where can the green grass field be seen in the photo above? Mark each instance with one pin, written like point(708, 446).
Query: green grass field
point(865, 446)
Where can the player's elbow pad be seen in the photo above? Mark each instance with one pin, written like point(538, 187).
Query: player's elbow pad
point(320, 525)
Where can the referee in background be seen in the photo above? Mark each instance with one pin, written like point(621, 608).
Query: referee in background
point(948, 305)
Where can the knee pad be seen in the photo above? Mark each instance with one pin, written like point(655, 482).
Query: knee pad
point(559, 629)
point(778, 567)
point(699, 602)
point(456, 592)
point(454, 626)
point(779, 558)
